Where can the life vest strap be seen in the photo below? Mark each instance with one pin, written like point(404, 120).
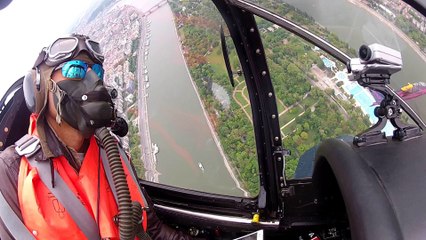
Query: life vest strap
point(12, 222)
point(62, 192)
point(67, 198)
point(108, 174)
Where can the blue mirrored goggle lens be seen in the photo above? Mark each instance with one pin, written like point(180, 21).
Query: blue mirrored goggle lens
point(98, 70)
point(77, 69)
point(74, 69)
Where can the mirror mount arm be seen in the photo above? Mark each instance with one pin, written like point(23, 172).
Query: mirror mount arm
point(226, 56)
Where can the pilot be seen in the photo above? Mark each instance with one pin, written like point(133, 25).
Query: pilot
point(68, 178)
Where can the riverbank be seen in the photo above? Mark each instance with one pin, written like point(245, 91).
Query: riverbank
point(212, 130)
point(394, 28)
point(149, 158)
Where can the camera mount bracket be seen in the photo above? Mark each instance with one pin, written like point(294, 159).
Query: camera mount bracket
point(389, 109)
point(373, 70)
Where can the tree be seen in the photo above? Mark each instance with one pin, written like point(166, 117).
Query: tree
point(304, 135)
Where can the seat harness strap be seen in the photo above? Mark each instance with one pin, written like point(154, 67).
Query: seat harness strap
point(12, 222)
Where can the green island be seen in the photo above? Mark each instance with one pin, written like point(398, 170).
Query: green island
point(134, 138)
point(307, 114)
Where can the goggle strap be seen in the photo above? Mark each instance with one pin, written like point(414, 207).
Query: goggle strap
point(60, 94)
point(41, 58)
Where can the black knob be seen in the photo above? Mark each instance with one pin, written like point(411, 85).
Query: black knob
point(120, 127)
point(113, 92)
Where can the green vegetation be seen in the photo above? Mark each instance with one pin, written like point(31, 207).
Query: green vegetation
point(414, 33)
point(289, 129)
point(239, 97)
point(233, 127)
point(323, 122)
point(308, 102)
point(133, 58)
point(133, 134)
point(132, 64)
point(135, 150)
point(245, 93)
point(290, 61)
point(280, 107)
point(290, 114)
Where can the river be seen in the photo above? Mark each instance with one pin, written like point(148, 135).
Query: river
point(356, 26)
point(188, 155)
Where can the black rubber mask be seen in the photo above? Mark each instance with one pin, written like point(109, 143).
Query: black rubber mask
point(84, 104)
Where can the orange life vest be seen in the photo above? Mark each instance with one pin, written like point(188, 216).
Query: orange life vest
point(46, 218)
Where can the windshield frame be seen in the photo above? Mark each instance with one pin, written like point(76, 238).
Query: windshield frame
point(270, 153)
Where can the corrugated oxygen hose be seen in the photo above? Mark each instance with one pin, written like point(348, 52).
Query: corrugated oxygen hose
point(137, 221)
point(126, 226)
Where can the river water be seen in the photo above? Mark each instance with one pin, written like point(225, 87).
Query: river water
point(356, 26)
point(177, 123)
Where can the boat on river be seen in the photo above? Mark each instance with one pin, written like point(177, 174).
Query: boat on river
point(155, 149)
point(200, 165)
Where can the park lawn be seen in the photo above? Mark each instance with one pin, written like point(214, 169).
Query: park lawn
point(308, 101)
point(290, 114)
point(246, 94)
point(217, 68)
point(282, 120)
point(216, 61)
point(311, 139)
point(289, 129)
point(237, 80)
point(240, 87)
point(240, 98)
point(280, 107)
point(248, 110)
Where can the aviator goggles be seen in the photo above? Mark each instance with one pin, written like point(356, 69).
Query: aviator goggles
point(78, 68)
point(66, 48)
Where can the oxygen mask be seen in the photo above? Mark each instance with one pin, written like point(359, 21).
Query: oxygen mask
point(84, 104)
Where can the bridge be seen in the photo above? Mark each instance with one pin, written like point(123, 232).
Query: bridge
point(154, 8)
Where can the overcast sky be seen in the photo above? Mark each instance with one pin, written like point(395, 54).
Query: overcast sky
point(26, 26)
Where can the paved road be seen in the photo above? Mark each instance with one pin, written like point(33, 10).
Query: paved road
point(148, 158)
